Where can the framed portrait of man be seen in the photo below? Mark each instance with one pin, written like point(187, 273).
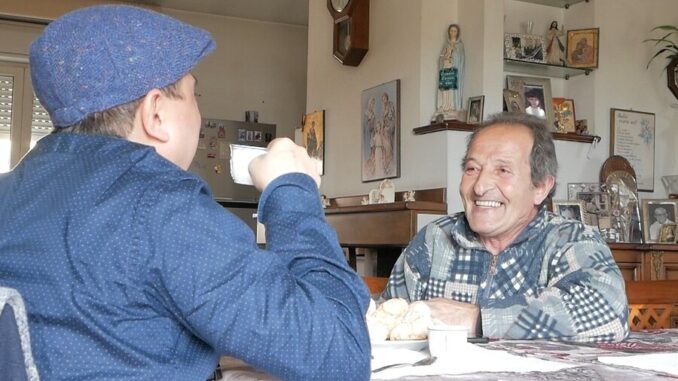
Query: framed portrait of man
point(656, 214)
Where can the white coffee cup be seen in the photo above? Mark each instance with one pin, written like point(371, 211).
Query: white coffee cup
point(446, 340)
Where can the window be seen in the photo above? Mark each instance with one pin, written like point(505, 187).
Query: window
point(23, 120)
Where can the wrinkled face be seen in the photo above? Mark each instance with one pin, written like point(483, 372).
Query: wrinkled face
point(184, 120)
point(496, 186)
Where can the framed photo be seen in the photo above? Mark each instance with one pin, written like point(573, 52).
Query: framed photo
point(475, 110)
point(524, 47)
point(563, 109)
point(380, 131)
point(596, 208)
point(656, 214)
point(632, 136)
point(574, 188)
point(571, 210)
point(514, 101)
point(537, 95)
point(582, 48)
point(313, 137)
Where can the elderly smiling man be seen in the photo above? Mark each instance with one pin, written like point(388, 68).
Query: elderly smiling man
point(506, 263)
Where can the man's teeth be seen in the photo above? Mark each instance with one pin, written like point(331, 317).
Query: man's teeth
point(488, 204)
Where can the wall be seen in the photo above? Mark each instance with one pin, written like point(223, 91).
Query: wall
point(432, 160)
point(256, 66)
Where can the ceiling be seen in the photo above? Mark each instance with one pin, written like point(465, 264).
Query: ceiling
point(283, 11)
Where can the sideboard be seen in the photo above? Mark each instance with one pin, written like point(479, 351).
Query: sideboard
point(646, 261)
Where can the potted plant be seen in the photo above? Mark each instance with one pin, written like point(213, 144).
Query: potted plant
point(669, 49)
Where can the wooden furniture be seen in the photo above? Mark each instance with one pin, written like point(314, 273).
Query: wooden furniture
point(652, 304)
point(646, 261)
point(376, 285)
point(388, 228)
point(455, 125)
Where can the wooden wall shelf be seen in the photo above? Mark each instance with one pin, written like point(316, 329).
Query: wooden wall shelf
point(455, 125)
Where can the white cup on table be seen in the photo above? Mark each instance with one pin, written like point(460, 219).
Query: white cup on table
point(445, 340)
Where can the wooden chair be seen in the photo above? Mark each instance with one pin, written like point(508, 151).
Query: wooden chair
point(651, 303)
point(376, 285)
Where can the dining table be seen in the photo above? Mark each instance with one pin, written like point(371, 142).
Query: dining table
point(644, 355)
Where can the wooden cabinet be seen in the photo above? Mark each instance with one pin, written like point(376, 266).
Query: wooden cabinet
point(646, 261)
point(388, 228)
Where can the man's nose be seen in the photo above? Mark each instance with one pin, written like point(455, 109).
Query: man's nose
point(484, 182)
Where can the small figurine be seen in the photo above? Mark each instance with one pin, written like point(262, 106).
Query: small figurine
point(324, 201)
point(408, 196)
point(365, 201)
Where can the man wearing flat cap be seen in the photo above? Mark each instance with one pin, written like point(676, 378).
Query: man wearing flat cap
point(128, 268)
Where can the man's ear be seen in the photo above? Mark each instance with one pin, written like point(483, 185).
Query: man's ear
point(543, 189)
point(151, 116)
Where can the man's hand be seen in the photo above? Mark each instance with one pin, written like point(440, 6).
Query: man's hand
point(283, 157)
point(451, 312)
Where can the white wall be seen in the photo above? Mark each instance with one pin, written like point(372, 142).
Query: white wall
point(256, 66)
point(432, 160)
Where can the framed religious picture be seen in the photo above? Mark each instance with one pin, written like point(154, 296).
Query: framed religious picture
point(313, 137)
point(656, 214)
point(475, 110)
point(524, 47)
point(563, 109)
point(537, 94)
point(632, 136)
point(571, 210)
point(514, 101)
point(380, 131)
point(582, 48)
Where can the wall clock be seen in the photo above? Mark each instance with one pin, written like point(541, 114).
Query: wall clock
point(351, 30)
point(672, 76)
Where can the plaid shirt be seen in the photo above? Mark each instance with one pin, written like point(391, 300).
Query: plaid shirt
point(557, 280)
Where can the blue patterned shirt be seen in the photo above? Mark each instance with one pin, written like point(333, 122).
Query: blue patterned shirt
point(557, 280)
point(130, 271)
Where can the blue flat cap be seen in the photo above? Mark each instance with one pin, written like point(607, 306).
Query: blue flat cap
point(95, 58)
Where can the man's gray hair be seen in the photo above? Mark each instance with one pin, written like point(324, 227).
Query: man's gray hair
point(543, 161)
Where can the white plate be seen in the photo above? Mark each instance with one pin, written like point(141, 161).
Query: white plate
point(414, 345)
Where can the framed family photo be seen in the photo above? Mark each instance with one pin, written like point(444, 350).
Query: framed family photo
point(658, 213)
point(582, 48)
point(571, 209)
point(537, 95)
point(475, 110)
point(380, 131)
point(313, 137)
point(524, 47)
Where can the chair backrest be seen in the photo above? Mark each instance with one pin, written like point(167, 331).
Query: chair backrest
point(376, 285)
point(16, 358)
point(651, 303)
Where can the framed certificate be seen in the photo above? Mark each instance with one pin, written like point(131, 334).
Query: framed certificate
point(632, 136)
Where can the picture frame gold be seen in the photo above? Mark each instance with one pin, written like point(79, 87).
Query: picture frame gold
point(514, 101)
point(582, 48)
point(564, 114)
point(313, 137)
